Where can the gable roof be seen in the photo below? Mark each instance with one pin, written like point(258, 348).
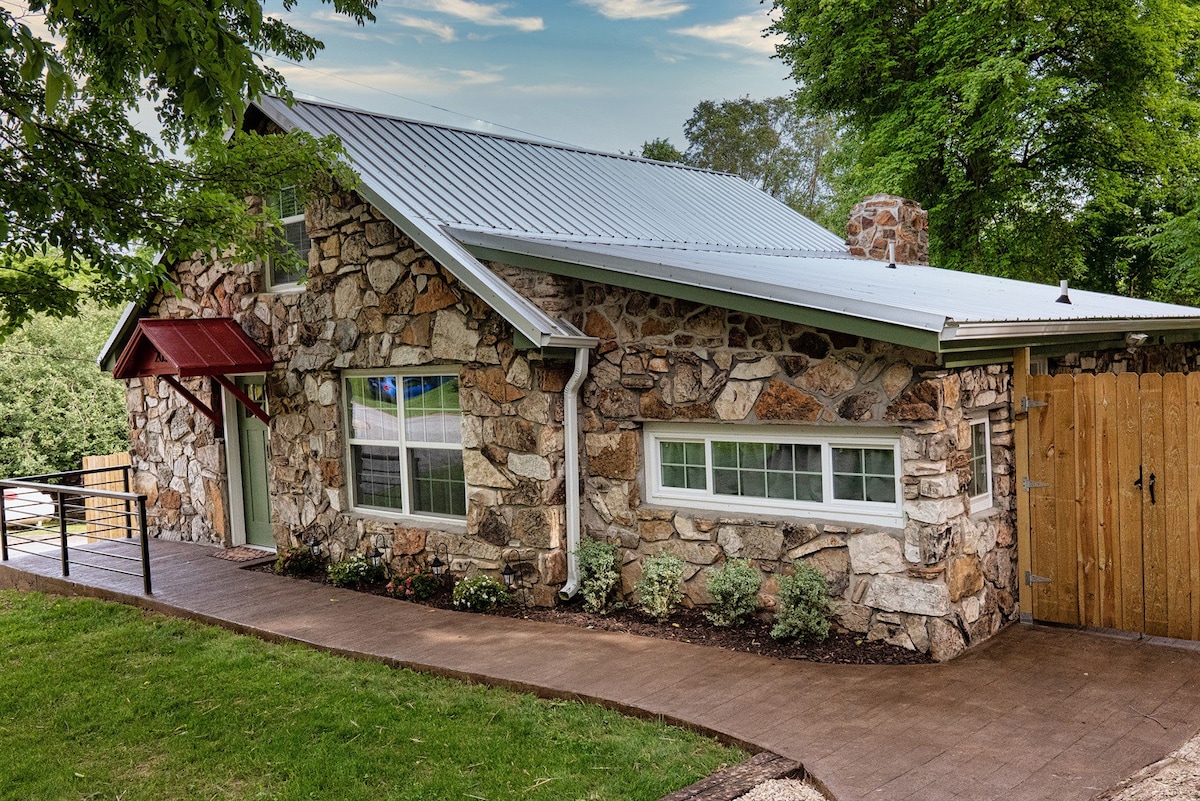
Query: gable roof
point(467, 196)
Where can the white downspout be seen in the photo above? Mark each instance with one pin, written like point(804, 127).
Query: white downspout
point(571, 468)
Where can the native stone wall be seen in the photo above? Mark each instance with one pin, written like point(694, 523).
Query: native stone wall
point(374, 300)
point(943, 581)
point(1150, 358)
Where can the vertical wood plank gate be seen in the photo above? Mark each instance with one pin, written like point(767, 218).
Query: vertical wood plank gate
point(1114, 501)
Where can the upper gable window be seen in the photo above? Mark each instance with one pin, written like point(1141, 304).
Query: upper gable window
point(283, 274)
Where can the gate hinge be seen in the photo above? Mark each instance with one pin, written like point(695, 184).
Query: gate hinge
point(1027, 404)
point(1027, 484)
point(1031, 579)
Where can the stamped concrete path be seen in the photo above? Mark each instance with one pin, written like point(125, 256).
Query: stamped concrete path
point(1036, 713)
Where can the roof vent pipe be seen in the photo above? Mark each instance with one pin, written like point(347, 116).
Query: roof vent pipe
point(891, 255)
point(1062, 288)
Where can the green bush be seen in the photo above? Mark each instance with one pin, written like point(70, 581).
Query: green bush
point(803, 601)
point(599, 574)
point(734, 590)
point(658, 589)
point(297, 562)
point(415, 585)
point(355, 572)
point(479, 594)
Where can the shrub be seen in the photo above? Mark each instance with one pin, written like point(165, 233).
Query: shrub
point(357, 571)
point(658, 589)
point(297, 562)
point(479, 594)
point(415, 585)
point(803, 600)
point(599, 573)
point(734, 590)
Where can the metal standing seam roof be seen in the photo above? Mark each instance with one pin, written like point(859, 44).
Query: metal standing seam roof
point(190, 347)
point(456, 191)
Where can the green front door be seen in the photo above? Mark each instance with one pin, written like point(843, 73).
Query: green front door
point(255, 443)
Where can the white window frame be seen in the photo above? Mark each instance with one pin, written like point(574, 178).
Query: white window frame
point(889, 514)
point(400, 443)
point(269, 272)
point(981, 501)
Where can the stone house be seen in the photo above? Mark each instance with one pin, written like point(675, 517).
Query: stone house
point(502, 346)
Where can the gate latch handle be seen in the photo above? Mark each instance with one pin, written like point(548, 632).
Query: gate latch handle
point(1152, 489)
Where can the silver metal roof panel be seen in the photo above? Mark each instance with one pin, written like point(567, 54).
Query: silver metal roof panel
point(450, 176)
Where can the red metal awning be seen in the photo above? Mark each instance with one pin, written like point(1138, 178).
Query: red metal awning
point(174, 349)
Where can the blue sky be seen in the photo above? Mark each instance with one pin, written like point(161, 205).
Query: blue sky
point(602, 74)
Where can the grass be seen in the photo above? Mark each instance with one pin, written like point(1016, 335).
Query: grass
point(102, 701)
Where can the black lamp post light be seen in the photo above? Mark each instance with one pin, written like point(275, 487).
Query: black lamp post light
point(439, 566)
point(509, 575)
point(316, 542)
point(376, 556)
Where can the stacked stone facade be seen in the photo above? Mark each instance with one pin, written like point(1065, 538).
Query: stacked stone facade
point(886, 226)
point(374, 300)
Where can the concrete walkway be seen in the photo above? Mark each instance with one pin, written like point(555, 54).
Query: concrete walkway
point(1036, 713)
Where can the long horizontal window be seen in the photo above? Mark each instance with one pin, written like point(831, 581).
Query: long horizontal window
point(839, 476)
point(405, 436)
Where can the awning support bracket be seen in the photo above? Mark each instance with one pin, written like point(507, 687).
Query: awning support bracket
point(243, 398)
point(192, 399)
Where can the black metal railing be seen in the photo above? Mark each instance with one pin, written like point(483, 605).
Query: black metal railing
point(94, 525)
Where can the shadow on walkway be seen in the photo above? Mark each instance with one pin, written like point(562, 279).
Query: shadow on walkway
point(1035, 713)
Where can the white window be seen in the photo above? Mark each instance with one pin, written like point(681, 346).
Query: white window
point(835, 474)
point(405, 443)
point(281, 273)
point(981, 463)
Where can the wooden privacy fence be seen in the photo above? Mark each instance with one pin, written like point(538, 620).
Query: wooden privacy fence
point(101, 512)
point(1114, 499)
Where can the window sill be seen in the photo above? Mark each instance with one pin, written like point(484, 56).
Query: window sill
point(284, 289)
point(734, 516)
point(446, 524)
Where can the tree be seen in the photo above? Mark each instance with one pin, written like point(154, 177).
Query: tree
point(58, 405)
point(77, 179)
point(768, 142)
point(1049, 138)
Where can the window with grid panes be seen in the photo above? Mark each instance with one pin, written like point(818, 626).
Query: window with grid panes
point(981, 463)
point(283, 273)
point(839, 475)
point(405, 443)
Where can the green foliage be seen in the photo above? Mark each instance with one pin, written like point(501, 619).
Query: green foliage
point(56, 406)
point(415, 585)
point(297, 562)
point(105, 701)
point(599, 573)
point(78, 179)
point(1047, 139)
point(658, 590)
point(479, 594)
point(734, 589)
point(355, 572)
point(802, 603)
point(790, 155)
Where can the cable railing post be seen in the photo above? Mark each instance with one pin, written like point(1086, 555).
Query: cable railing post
point(128, 508)
point(3, 530)
point(141, 502)
point(62, 532)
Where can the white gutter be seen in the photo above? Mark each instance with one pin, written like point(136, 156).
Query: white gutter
point(571, 469)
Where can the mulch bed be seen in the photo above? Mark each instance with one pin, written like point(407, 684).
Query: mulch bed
point(690, 626)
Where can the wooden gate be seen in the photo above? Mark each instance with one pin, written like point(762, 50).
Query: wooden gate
point(1114, 501)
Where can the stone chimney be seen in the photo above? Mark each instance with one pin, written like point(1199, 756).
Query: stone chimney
point(883, 220)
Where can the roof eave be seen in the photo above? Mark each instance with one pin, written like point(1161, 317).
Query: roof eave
point(521, 313)
point(958, 336)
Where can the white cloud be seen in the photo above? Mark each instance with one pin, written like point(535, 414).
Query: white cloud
point(745, 31)
point(391, 78)
point(637, 9)
point(423, 25)
point(490, 14)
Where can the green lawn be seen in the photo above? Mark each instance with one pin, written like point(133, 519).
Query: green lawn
point(102, 701)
